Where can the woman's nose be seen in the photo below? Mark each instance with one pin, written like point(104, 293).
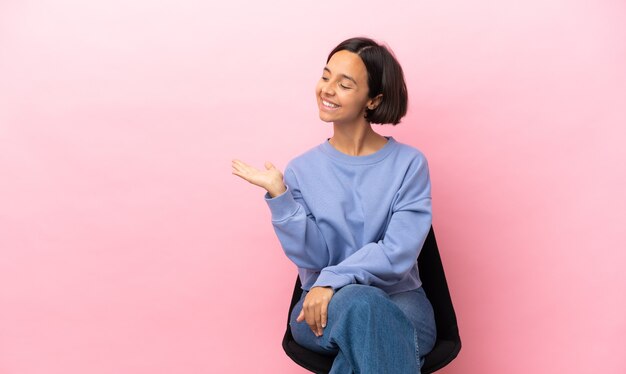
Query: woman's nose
point(327, 89)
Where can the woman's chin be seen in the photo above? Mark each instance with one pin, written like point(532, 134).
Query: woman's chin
point(325, 117)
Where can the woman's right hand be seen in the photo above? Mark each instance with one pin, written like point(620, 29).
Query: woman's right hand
point(270, 179)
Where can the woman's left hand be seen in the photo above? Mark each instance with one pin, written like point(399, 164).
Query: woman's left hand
point(315, 308)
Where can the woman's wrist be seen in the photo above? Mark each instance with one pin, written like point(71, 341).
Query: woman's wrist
point(277, 190)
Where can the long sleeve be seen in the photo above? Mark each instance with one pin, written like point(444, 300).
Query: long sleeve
point(296, 228)
point(386, 262)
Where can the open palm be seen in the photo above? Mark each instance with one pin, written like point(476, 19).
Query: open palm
point(267, 179)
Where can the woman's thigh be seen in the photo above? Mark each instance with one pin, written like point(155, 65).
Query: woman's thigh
point(419, 311)
point(414, 304)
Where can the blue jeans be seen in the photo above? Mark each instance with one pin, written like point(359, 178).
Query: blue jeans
point(371, 331)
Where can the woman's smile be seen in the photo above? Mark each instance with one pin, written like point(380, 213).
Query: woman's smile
point(328, 105)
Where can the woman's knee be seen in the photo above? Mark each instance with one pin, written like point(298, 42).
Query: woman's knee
point(362, 290)
point(358, 295)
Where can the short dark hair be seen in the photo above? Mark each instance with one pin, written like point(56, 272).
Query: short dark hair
point(384, 75)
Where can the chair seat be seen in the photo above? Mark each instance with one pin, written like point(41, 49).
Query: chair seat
point(442, 353)
point(312, 361)
point(433, 278)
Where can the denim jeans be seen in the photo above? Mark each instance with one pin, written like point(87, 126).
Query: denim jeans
point(371, 331)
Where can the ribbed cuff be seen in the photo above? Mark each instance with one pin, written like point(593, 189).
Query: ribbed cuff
point(328, 278)
point(282, 206)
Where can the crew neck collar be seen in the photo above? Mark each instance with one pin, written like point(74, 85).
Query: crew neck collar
point(331, 151)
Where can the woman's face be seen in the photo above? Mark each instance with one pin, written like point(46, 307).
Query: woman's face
point(342, 91)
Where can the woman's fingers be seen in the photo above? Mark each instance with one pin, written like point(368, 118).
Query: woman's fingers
point(239, 162)
point(318, 318)
point(315, 314)
point(238, 171)
point(324, 314)
point(309, 316)
point(247, 172)
point(321, 315)
point(242, 166)
point(308, 308)
point(237, 168)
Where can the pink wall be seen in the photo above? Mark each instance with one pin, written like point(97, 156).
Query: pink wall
point(127, 246)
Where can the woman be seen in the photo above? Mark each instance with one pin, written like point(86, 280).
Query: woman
point(353, 213)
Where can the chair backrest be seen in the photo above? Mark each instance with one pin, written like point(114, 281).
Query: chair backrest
point(436, 287)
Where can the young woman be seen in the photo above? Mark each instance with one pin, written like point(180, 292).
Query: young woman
point(353, 213)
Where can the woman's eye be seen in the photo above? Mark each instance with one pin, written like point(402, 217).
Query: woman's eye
point(345, 87)
point(324, 79)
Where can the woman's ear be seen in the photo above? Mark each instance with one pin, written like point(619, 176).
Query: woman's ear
point(374, 102)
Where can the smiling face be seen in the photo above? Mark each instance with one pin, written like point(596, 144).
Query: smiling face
point(342, 91)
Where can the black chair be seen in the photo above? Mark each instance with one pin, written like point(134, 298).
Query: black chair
point(434, 283)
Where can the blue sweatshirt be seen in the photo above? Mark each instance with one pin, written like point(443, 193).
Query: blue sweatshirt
point(355, 219)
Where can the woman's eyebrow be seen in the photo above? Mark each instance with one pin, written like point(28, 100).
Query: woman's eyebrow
point(343, 75)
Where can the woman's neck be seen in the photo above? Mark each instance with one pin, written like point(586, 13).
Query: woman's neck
point(357, 139)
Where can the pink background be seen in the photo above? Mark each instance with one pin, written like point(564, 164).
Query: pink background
point(127, 246)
